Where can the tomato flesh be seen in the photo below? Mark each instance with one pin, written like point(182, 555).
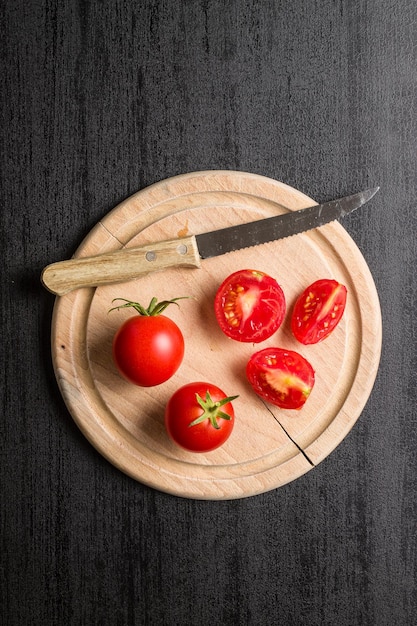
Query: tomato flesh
point(148, 350)
point(183, 408)
point(249, 306)
point(282, 377)
point(318, 311)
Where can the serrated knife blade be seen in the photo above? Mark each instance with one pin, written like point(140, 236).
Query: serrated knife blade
point(219, 242)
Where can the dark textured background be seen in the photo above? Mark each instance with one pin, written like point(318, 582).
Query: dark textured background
point(100, 99)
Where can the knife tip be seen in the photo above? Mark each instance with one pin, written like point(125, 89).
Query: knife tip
point(369, 193)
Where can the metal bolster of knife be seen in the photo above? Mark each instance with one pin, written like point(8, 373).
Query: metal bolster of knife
point(120, 265)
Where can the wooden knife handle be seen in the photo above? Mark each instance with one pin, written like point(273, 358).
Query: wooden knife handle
point(120, 265)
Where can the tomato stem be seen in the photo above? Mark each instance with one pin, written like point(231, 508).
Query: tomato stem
point(211, 410)
point(154, 307)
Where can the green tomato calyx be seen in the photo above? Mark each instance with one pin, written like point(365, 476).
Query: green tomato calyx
point(211, 410)
point(154, 307)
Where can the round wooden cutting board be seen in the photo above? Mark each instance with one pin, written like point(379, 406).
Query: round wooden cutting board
point(269, 446)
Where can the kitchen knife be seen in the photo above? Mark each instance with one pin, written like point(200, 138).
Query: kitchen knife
point(130, 263)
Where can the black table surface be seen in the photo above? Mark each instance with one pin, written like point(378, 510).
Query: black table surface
point(101, 99)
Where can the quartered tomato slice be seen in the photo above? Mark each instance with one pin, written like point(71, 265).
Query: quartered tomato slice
point(249, 306)
point(282, 377)
point(318, 311)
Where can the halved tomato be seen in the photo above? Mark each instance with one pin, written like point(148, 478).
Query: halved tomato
point(249, 306)
point(282, 377)
point(318, 311)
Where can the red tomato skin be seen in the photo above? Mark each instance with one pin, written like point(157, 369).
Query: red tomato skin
point(249, 306)
point(148, 350)
point(318, 310)
point(183, 408)
point(281, 377)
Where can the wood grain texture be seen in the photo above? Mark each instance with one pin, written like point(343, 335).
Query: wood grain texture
point(269, 447)
point(102, 98)
point(120, 265)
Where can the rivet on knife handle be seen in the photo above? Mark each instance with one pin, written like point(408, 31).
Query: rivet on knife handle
point(120, 265)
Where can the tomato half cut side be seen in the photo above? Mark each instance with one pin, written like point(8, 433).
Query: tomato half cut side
point(249, 306)
point(318, 310)
point(282, 377)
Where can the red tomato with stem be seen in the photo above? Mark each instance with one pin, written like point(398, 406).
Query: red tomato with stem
point(148, 348)
point(199, 417)
point(282, 377)
point(318, 311)
point(249, 306)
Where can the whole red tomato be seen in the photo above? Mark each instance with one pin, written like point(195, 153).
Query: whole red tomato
point(281, 377)
point(199, 417)
point(249, 306)
point(318, 311)
point(148, 348)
